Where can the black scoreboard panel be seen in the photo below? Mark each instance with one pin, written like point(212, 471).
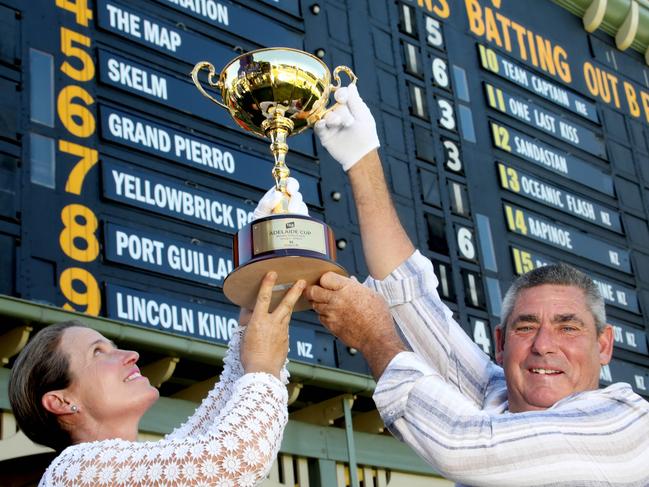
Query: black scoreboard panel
point(509, 139)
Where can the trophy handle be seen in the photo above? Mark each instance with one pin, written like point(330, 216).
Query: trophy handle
point(336, 76)
point(210, 80)
point(339, 84)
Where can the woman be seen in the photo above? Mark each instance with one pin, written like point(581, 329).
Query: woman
point(72, 390)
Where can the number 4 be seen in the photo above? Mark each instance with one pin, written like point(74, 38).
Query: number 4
point(79, 8)
point(481, 336)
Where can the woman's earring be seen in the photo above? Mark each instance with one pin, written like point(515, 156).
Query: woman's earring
point(74, 408)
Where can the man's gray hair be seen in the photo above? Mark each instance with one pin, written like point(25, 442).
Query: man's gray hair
point(562, 275)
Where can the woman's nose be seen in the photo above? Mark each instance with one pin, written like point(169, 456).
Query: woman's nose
point(130, 356)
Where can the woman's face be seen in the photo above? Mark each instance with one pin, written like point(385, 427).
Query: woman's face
point(106, 382)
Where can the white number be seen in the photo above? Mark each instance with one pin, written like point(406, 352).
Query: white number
point(447, 119)
point(453, 161)
point(465, 243)
point(440, 72)
point(434, 31)
point(408, 14)
point(458, 199)
point(480, 336)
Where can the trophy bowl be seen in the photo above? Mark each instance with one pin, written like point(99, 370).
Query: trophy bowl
point(275, 93)
point(259, 82)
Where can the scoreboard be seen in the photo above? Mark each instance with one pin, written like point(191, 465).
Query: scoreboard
point(511, 138)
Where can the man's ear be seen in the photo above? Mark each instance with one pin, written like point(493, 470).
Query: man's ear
point(56, 403)
point(499, 333)
point(605, 341)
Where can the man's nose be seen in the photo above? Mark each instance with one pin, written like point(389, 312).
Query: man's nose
point(544, 340)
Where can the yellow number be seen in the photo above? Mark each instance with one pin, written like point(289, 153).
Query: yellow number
point(496, 98)
point(79, 224)
point(516, 220)
point(490, 96)
point(501, 137)
point(510, 218)
point(509, 178)
point(492, 60)
point(90, 297)
point(488, 59)
point(518, 265)
point(87, 70)
point(520, 221)
point(483, 56)
point(501, 100)
point(513, 179)
point(75, 117)
point(522, 261)
point(502, 170)
point(88, 159)
point(79, 8)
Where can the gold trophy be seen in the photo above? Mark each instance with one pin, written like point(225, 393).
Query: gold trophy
point(275, 93)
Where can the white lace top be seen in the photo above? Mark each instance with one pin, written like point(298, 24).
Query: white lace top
point(231, 440)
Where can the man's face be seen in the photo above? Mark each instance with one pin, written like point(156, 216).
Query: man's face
point(550, 347)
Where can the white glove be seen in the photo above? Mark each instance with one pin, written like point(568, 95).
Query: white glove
point(349, 131)
point(272, 198)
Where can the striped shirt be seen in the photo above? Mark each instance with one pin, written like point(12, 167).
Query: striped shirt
point(448, 401)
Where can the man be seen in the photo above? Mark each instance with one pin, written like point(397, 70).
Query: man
point(537, 420)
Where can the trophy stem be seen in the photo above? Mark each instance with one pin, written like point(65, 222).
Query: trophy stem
point(277, 130)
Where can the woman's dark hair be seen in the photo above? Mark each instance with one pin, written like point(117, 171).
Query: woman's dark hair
point(41, 367)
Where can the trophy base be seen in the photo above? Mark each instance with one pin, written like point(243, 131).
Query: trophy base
point(242, 285)
point(294, 246)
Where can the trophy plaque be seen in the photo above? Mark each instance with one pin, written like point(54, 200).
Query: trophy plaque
point(276, 93)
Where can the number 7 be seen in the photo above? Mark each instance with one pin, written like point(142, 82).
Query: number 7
point(89, 158)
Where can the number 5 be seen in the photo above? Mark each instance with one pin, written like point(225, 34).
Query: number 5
point(87, 70)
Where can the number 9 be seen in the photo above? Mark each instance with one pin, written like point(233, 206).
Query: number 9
point(90, 298)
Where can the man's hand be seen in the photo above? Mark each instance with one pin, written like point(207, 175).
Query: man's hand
point(349, 131)
point(264, 344)
point(358, 316)
point(272, 197)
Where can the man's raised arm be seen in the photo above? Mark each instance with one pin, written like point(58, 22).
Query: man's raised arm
point(349, 135)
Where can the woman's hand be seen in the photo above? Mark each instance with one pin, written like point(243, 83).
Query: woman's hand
point(264, 344)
